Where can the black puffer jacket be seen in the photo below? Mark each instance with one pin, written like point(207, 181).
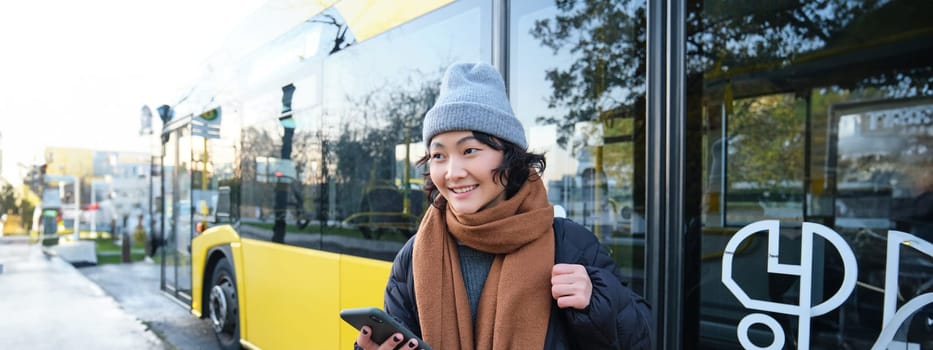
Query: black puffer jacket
point(592, 328)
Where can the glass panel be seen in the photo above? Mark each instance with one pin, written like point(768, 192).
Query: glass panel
point(808, 125)
point(184, 211)
point(577, 84)
point(375, 103)
point(259, 161)
point(203, 181)
point(170, 155)
point(765, 159)
point(280, 168)
point(222, 195)
point(283, 196)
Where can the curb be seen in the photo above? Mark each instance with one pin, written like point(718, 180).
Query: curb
point(52, 255)
point(48, 252)
point(69, 256)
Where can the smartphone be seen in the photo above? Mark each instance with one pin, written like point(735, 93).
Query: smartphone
point(382, 325)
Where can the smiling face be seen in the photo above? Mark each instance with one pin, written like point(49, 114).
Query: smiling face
point(462, 169)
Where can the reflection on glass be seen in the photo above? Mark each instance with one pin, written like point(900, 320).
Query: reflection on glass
point(340, 176)
point(278, 165)
point(577, 83)
point(764, 160)
point(809, 112)
point(882, 159)
point(371, 129)
point(281, 195)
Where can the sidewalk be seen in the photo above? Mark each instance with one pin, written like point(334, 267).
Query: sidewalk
point(46, 303)
point(136, 287)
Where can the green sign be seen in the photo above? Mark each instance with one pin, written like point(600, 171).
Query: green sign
point(210, 115)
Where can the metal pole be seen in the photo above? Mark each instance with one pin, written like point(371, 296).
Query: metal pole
point(77, 189)
point(204, 184)
point(664, 200)
point(655, 238)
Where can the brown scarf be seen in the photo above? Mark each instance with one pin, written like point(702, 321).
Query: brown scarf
point(515, 303)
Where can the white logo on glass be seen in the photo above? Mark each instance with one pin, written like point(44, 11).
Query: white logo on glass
point(892, 318)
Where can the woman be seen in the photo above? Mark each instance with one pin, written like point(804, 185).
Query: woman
point(490, 267)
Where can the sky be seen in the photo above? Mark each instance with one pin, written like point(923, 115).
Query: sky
point(77, 73)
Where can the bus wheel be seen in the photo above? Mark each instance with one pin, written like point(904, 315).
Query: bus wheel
point(224, 307)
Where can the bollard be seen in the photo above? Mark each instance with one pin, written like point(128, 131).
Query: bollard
point(126, 247)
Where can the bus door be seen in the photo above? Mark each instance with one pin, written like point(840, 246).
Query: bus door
point(177, 210)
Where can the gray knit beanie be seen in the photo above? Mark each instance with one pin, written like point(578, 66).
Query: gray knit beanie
point(472, 97)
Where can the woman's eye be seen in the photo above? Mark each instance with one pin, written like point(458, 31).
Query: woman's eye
point(437, 156)
point(470, 150)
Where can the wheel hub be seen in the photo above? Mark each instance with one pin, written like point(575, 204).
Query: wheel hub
point(222, 304)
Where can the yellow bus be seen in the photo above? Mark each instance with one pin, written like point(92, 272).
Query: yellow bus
point(671, 130)
point(298, 157)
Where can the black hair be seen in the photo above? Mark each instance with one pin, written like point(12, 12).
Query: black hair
point(516, 168)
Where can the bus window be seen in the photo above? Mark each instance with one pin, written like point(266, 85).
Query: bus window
point(374, 106)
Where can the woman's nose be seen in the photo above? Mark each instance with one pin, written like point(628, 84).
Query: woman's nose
point(455, 169)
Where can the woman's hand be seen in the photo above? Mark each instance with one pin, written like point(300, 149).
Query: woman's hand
point(365, 341)
point(571, 286)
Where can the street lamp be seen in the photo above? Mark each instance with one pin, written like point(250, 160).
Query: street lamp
point(165, 113)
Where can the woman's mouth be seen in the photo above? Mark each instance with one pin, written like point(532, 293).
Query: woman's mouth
point(464, 189)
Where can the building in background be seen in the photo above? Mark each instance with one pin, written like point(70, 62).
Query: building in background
point(114, 185)
point(129, 186)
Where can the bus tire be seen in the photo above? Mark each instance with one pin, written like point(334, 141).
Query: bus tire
point(223, 306)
